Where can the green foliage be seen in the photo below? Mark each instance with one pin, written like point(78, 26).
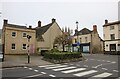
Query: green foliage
point(62, 55)
point(54, 50)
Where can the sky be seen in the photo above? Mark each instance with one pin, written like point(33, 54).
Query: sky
point(66, 12)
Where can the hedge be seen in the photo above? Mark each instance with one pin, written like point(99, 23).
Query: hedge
point(62, 55)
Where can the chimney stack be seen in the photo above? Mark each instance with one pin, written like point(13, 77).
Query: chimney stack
point(30, 27)
point(53, 20)
point(5, 21)
point(39, 23)
point(94, 28)
point(106, 21)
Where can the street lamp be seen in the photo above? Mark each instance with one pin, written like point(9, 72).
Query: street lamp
point(28, 37)
point(77, 35)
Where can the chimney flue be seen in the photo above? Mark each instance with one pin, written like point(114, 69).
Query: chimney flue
point(53, 20)
point(94, 28)
point(106, 21)
point(5, 21)
point(30, 27)
point(39, 23)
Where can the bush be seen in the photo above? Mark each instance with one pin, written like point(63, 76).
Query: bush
point(62, 55)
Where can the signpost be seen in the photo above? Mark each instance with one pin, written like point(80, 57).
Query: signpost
point(28, 36)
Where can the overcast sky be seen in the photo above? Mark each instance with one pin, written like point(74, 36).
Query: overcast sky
point(66, 13)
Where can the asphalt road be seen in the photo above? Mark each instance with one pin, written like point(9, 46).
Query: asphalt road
point(96, 66)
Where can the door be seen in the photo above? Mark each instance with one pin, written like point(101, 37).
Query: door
point(112, 47)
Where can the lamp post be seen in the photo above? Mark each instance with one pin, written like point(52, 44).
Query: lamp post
point(77, 35)
point(28, 37)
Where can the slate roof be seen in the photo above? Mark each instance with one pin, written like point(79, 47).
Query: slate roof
point(41, 30)
point(16, 26)
point(83, 32)
point(111, 23)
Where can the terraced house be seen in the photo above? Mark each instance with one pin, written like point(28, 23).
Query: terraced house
point(15, 39)
point(87, 41)
point(111, 33)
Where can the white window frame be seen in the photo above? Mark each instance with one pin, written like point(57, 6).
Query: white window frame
point(24, 46)
point(23, 35)
point(12, 34)
point(12, 46)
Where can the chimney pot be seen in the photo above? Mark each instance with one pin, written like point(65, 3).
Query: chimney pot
point(53, 20)
point(5, 21)
point(30, 27)
point(39, 23)
point(94, 28)
point(106, 21)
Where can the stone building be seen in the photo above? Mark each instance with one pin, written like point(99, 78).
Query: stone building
point(87, 41)
point(45, 35)
point(14, 39)
point(111, 33)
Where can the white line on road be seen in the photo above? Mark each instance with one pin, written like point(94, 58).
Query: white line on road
point(35, 75)
point(105, 74)
point(85, 65)
point(85, 73)
point(50, 65)
point(43, 73)
point(25, 67)
point(52, 75)
point(36, 70)
point(56, 67)
point(74, 70)
point(63, 68)
point(104, 69)
point(30, 68)
point(115, 70)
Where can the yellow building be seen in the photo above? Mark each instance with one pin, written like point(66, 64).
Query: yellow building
point(45, 35)
point(15, 39)
point(111, 33)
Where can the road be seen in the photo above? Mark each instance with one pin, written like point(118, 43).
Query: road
point(96, 66)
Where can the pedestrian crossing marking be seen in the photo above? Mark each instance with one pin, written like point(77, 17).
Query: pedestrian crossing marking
point(56, 67)
point(59, 69)
point(105, 74)
point(74, 70)
point(85, 73)
point(50, 65)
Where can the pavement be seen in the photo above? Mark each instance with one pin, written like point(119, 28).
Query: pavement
point(22, 60)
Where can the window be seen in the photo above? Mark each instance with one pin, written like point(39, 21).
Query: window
point(80, 40)
point(13, 45)
point(85, 39)
point(112, 36)
point(24, 34)
point(75, 40)
point(13, 34)
point(24, 46)
point(112, 27)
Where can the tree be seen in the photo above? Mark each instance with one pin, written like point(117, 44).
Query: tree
point(63, 40)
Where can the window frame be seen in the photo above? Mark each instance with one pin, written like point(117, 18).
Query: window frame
point(112, 37)
point(13, 35)
point(13, 47)
point(112, 27)
point(23, 35)
point(24, 46)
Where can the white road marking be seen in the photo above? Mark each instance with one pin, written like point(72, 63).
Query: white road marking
point(85, 73)
point(50, 65)
point(52, 75)
point(98, 60)
point(63, 68)
point(105, 74)
point(56, 67)
point(74, 70)
point(113, 62)
point(25, 67)
point(104, 69)
point(85, 65)
point(36, 70)
point(103, 60)
point(35, 75)
point(43, 73)
point(108, 61)
point(96, 66)
point(86, 60)
point(30, 68)
point(115, 70)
